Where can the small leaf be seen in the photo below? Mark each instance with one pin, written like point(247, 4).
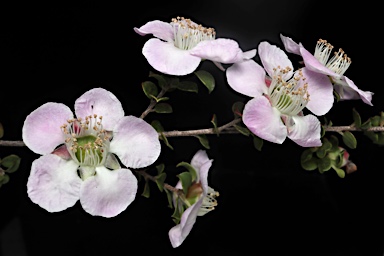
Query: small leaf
point(242, 130)
point(160, 79)
point(161, 99)
point(349, 140)
point(4, 179)
point(150, 89)
point(237, 109)
point(356, 118)
point(309, 165)
point(157, 125)
point(340, 172)
point(187, 86)
point(146, 192)
point(207, 79)
point(186, 181)
point(160, 168)
point(11, 162)
point(163, 108)
point(306, 155)
point(366, 125)
point(190, 168)
point(214, 122)
point(203, 140)
point(170, 198)
point(160, 180)
point(258, 142)
point(324, 164)
point(163, 138)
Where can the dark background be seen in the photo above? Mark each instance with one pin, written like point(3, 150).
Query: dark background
point(268, 204)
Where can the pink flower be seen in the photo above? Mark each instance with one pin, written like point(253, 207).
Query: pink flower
point(334, 67)
point(199, 200)
point(275, 112)
point(180, 46)
point(78, 155)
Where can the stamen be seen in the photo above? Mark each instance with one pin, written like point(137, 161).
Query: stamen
point(188, 34)
point(209, 202)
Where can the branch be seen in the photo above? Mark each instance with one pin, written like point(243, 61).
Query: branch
point(166, 185)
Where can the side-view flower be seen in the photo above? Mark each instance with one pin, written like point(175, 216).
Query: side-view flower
point(275, 112)
point(199, 200)
point(334, 67)
point(78, 154)
point(180, 46)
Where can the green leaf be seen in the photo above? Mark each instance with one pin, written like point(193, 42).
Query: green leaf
point(160, 79)
point(190, 168)
point(242, 130)
point(187, 86)
point(186, 181)
point(146, 192)
point(237, 109)
point(4, 179)
point(349, 140)
point(163, 108)
point(160, 168)
point(11, 163)
point(203, 140)
point(207, 79)
point(340, 172)
point(214, 122)
point(170, 198)
point(374, 137)
point(324, 164)
point(161, 99)
point(306, 155)
point(309, 165)
point(163, 138)
point(160, 178)
point(366, 125)
point(150, 89)
point(157, 125)
point(375, 121)
point(356, 118)
point(257, 142)
point(1, 130)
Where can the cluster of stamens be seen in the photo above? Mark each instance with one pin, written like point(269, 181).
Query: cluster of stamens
point(209, 202)
point(86, 140)
point(291, 96)
point(339, 62)
point(188, 34)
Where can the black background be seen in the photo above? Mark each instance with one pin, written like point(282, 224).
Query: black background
point(268, 205)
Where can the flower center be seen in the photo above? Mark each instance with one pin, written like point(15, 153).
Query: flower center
point(339, 63)
point(188, 34)
point(86, 141)
point(209, 202)
point(291, 96)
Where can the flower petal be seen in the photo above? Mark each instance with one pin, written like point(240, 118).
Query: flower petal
point(159, 29)
point(135, 142)
point(202, 164)
point(314, 64)
point(168, 59)
point(101, 102)
point(349, 91)
point(290, 45)
point(305, 131)
point(223, 50)
point(247, 78)
point(264, 121)
point(41, 130)
point(53, 183)
point(272, 57)
point(320, 91)
point(108, 193)
point(178, 233)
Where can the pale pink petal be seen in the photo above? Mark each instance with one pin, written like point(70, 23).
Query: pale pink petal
point(102, 103)
point(315, 65)
point(135, 142)
point(290, 45)
point(53, 183)
point(247, 78)
point(108, 193)
point(272, 57)
point(221, 50)
point(320, 91)
point(305, 131)
point(168, 59)
point(41, 130)
point(159, 29)
point(351, 91)
point(249, 54)
point(178, 233)
point(202, 164)
point(264, 121)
